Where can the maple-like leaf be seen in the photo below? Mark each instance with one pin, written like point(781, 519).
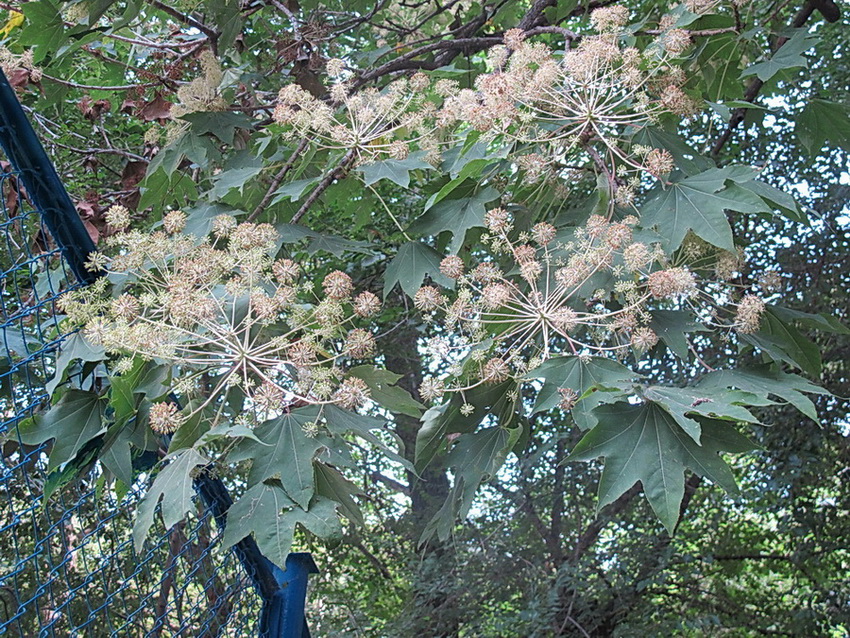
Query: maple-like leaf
point(645, 443)
point(698, 204)
point(596, 380)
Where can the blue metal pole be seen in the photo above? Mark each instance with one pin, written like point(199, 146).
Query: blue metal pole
point(284, 616)
point(43, 185)
point(284, 592)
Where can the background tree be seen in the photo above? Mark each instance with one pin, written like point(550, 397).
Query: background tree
point(317, 118)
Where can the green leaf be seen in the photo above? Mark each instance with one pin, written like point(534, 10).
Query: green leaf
point(681, 402)
point(698, 203)
point(596, 380)
point(472, 169)
point(234, 178)
point(724, 109)
point(267, 512)
point(788, 56)
point(161, 189)
point(823, 122)
point(331, 484)
point(74, 421)
point(644, 443)
point(198, 149)
point(44, 29)
point(188, 434)
point(227, 430)
point(126, 390)
point(456, 216)
point(687, 159)
point(73, 348)
point(777, 198)
point(447, 418)
point(173, 484)
point(287, 453)
point(671, 326)
point(294, 190)
point(766, 382)
point(116, 456)
point(259, 511)
point(222, 124)
point(383, 391)
point(227, 18)
point(341, 422)
point(783, 342)
point(397, 171)
point(826, 323)
point(81, 464)
point(478, 457)
point(409, 267)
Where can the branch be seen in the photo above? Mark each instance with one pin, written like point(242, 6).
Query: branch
point(390, 482)
point(102, 151)
point(376, 562)
point(694, 33)
point(212, 34)
point(756, 84)
point(524, 505)
point(338, 173)
point(785, 557)
point(278, 179)
point(558, 496)
point(92, 87)
point(589, 536)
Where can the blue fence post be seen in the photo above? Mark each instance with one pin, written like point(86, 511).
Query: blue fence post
point(283, 591)
point(283, 616)
point(43, 185)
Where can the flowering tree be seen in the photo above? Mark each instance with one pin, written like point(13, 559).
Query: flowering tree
point(327, 230)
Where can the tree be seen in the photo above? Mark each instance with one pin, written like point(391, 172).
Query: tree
point(540, 233)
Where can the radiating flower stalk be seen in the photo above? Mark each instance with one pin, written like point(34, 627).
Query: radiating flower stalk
point(587, 101)
point(541, 295)
point(224, 314)
point(536, 294)
point(553, 108)
point(372, 124)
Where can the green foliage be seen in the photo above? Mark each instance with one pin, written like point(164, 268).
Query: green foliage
point(492, 451)
point(646, 443)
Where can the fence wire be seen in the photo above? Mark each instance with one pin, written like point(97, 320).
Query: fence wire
point(67, 565)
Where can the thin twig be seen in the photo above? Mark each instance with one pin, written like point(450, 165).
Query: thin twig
point(337, 173)
point(92, 87)
point(756, 84)
point(276, 181)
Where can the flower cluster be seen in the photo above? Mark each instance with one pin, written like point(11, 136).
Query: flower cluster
point(595, 94)
point(225, 314)
point(202, 93)
point(582, 291)
point(374, 124)
point(555, 108)
point(11, 63)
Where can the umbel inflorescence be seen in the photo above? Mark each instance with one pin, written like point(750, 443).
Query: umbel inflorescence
point(550, 106)
point(586, 101)
point(225, 314)
point(539, 294)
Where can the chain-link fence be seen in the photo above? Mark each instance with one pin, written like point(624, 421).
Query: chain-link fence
point(67, 565)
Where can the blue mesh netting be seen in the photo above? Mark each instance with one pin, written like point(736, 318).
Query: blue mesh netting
point(67, 566)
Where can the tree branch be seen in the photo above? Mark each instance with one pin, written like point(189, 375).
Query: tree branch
point(186, 19)
point(278, 179)
point(390, 482)
point(338, 173)
point(756, 84)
